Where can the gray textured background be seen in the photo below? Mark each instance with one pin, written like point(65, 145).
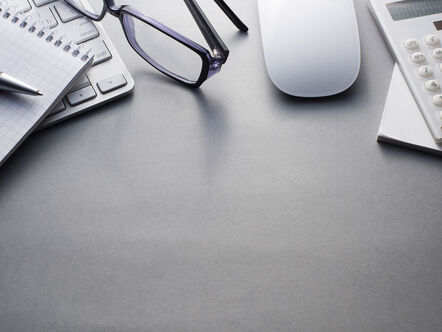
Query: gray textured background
point(231, 208)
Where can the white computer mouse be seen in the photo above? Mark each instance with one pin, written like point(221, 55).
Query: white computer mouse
point(311, 47)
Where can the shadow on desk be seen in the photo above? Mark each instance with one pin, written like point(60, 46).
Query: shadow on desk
point(396, 152)
point(214, 124)
point(214, 117)
point(24, 159)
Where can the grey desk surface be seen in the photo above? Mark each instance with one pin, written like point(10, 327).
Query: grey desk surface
point(231, 208)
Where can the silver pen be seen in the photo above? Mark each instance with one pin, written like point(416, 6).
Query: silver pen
point(11, 84)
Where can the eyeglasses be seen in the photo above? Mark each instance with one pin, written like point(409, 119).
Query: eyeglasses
point(165, 49)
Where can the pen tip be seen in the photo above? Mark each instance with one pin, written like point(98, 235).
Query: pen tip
point(39, 93)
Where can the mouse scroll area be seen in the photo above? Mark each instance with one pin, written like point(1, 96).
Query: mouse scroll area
point(311, 48)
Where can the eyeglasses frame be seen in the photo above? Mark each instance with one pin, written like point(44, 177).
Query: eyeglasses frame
point(211, 61)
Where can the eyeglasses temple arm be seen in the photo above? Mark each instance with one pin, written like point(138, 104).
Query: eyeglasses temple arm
point(210, 35)
point(232, 16)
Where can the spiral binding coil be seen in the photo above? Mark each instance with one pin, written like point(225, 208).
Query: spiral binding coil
point(37, 27)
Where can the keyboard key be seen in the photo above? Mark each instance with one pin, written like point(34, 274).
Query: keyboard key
point(81, 30)
point(80, 96)
point(111, 83)
point(40, 3)
point(45, 15)
point(60, 107)
point(66, 12)
point(82, 82)
point(20, 5)
point(100, 50)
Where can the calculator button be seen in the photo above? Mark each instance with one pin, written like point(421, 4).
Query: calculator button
point(437, 53)
point(432, 40)
point(432, 86)
point(437, 100)
point(411, 44)
point(425, 72)
point(418, 57)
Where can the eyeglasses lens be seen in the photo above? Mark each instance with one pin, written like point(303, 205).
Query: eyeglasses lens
point(164, 50)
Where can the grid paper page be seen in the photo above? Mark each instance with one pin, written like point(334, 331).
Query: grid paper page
point(40, 64)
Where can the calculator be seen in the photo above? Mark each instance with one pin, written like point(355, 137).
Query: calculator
point(413, 31)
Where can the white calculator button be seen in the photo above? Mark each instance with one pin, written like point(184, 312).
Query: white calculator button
point(411, 44)
point(432, 40)
point(432, 86)
point(425, 72)
point(437, 53)
point(437, 100)
point(418, 57)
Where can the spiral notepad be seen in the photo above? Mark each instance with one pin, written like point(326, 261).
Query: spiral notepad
point(36, 55)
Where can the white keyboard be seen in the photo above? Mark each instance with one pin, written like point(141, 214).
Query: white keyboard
point(413, 30)
point(106, 80)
